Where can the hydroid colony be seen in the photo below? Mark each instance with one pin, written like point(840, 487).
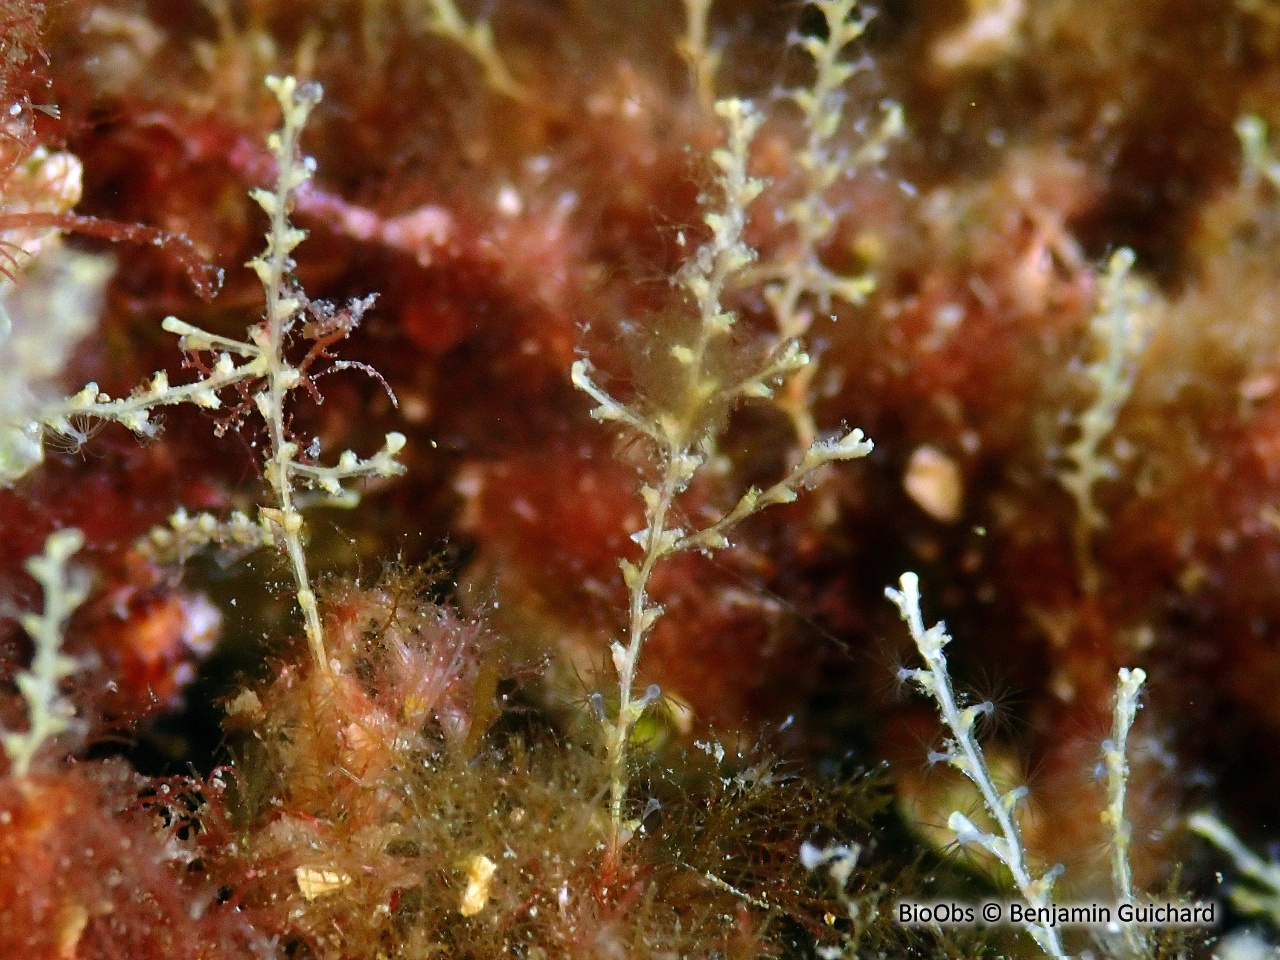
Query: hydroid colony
point(642, 271)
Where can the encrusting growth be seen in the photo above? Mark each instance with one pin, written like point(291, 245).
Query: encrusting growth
point(49, 713)
point(705, 377)
point(260, 360)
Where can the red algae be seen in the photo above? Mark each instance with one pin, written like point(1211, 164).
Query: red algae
point(444, 789)
point(89, 874)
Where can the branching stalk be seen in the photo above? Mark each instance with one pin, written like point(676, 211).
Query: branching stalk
point(1115, 759)
point(260, 362)
point(796, 281)
point(49, 713)
point(963, 752)
point(695, 49)
point(684, 434)
point(1118, 336)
